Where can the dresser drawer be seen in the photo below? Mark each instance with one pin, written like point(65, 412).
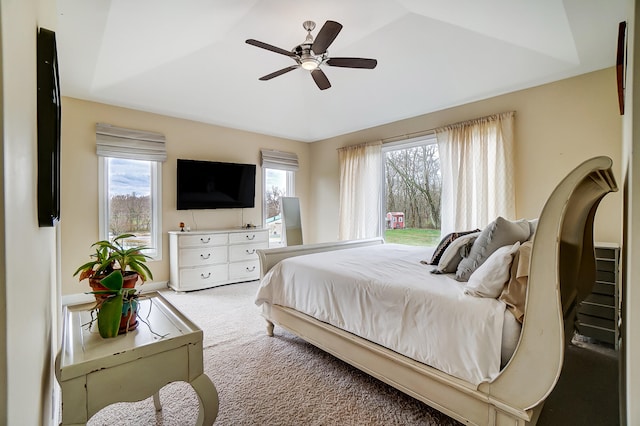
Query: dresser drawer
point(248, 237)
point(203, 240)
point(249, 270)
point(204, 276)
point(203, 256)
point(245, 252)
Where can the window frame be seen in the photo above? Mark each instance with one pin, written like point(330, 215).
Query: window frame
point(156, 204)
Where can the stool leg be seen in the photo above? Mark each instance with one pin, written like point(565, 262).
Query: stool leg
point(156, 401)
point(207, 398)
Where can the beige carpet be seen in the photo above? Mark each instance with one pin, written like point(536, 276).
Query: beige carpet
point(269, 381)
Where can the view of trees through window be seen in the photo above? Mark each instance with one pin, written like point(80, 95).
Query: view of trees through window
point(129, 191)
point(275, 188)
point(413, 185)
point(130, 213)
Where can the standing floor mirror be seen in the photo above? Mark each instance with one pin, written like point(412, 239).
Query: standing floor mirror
point(292, 224)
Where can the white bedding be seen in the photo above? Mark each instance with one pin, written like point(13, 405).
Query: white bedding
point(384, 294)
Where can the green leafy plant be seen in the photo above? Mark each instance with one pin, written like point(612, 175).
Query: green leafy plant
point(118, 302)
point(113, 255)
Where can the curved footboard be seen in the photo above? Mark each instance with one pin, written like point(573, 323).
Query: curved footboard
point(561, 272)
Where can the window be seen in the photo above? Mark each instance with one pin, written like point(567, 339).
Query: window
point(278, 180)
point(130, 202)
point(412, 187)
point(130, 185)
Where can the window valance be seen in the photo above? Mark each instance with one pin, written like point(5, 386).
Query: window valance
point(279, 160)
point(119, 142)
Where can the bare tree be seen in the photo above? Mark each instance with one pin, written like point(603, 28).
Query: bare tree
point(414, 184)
point(129, 213)
point(273, 201)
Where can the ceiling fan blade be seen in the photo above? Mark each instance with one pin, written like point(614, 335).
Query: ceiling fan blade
point(270, 47)
point(320, 78)
point(353, 63)
point(279, 72)
point(325, 37)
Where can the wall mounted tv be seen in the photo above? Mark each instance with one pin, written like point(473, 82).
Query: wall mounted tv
point(215, 185)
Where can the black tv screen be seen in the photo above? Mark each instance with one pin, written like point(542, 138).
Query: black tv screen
point(215, 185)
point(49, 116)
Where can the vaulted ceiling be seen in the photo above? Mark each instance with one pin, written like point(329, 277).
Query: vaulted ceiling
point(189, 58)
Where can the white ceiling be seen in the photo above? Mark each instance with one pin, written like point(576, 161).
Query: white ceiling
point(189, 59)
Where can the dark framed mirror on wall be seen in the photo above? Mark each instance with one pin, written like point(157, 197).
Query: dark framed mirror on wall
point(49, 120)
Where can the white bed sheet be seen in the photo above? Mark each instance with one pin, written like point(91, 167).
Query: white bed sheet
point(384, 294)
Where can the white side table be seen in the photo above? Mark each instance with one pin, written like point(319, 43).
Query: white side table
point(95, 372)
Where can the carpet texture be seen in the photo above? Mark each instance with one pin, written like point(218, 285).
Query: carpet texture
point(268, 381)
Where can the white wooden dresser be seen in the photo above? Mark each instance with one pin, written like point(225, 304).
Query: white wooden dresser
point(203, 259)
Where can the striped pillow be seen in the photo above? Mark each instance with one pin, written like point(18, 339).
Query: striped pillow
point(444, 243)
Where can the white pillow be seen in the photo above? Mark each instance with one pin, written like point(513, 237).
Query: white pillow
point(451, 257)
point(490, 277)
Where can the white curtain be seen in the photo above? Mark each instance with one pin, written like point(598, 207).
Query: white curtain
point(360, 196)
point(476, 162)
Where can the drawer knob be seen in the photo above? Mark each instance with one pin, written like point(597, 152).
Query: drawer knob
point(252, 251)
point(253, 268)
point(205, 277)
point(251, 237)
point(205, 257)
point(205, 241)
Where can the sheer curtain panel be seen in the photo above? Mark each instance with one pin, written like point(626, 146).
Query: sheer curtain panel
point(360, 196)
point(476, 162)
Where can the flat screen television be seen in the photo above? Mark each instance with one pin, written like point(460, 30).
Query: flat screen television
point(215, 185)
point(49, 116)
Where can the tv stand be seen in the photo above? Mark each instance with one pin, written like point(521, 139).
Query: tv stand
point(204, 259)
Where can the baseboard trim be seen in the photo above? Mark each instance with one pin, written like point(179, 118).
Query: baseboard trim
point(78, 298)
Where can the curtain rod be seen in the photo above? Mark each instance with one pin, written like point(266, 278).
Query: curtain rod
point(411, 135)
point(433, 131)
point(393, 138)
point(430, 132)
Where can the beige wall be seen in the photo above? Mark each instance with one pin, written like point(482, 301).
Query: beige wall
point(630, 349)
point(557, 126)
point(185, 139)
point(28, 254)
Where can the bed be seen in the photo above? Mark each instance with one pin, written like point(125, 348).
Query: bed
point(485, 386)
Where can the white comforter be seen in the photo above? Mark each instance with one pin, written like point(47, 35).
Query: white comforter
point(384, 294)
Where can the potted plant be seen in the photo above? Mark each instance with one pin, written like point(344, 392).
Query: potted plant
point(117, 310)
point(112, 255)
point(113, 271)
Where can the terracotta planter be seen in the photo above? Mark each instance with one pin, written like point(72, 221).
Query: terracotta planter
point(129, 320)
point(130, 280)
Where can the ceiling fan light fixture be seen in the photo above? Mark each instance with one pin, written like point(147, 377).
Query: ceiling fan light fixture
point(309, 63)
point(312, 54)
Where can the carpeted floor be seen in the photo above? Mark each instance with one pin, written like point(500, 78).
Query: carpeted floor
point(286, 381)
point(269, 381)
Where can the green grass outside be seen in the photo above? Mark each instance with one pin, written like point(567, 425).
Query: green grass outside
point(413, 236)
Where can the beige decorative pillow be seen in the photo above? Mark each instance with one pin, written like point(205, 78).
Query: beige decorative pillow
point(514, 293)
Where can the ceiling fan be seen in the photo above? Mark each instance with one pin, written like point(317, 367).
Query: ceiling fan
point(312, 54)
